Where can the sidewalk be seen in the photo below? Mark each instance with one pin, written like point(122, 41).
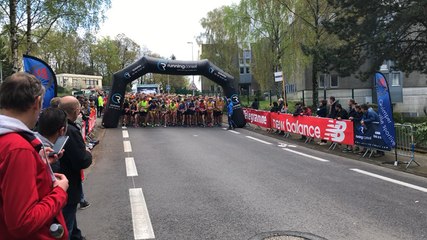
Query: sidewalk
point(386, 161)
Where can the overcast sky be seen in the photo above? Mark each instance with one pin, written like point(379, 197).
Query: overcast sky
point(163, 26)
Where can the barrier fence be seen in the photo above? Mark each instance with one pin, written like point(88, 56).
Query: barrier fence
point(405, 144)
point(336, 131)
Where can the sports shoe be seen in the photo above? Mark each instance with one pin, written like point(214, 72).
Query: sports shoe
point(85, 204)
point(323, 143)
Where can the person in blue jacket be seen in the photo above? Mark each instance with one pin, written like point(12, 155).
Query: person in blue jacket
point(230, 114)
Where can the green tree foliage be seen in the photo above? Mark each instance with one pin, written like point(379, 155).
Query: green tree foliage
point(28, 22)
point(374, 31)
point(315, 42)
point(266, 24)
point(221, 44)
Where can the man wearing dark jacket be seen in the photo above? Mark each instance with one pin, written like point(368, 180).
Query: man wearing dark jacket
point(332, 110)
point(76, 157)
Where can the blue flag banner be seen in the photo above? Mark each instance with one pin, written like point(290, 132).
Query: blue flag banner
point(45, 74)
point(369, 136)
point(385, 111)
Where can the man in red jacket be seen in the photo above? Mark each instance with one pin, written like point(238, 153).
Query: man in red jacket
point(31, 196)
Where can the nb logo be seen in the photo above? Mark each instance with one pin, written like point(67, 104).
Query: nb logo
point(335, 131)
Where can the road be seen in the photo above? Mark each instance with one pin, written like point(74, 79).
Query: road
point(209, 183)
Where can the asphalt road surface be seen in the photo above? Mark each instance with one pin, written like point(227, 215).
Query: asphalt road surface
point(209, 183)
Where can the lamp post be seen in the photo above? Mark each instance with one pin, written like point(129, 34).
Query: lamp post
point(192, 59)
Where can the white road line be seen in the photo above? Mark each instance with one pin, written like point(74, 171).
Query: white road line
point(142, 228)
point(125, 134)
point(127, 147)
point(131, 167)
point(306, 155)
point(259, 140)
point(123, 127)
point(390, 180)
point(235, 132)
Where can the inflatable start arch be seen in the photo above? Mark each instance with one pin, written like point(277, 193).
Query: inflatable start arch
point(173, 67)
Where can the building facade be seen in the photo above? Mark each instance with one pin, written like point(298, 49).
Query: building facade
point(76, 81)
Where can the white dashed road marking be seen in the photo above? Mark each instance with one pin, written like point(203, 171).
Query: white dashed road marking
point(306, 155)
point(390, 180)
point(131, 170)
point(259, 140)
point(125, 134)
point(127, 147)
point(235, 132)
point(142, 228)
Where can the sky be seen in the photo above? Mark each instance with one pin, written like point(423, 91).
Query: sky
point(164, 27)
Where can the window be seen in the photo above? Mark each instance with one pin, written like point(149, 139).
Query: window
point(241, 60)
point(395, 79)
point(248, 70)
point(248, 61)
point(334, 80)
point(212, 88)
point(242, 70)
point(322, 80)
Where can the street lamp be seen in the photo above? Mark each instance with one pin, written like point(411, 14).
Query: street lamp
point(192, 59)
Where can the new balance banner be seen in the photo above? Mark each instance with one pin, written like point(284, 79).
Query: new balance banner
point(369, 136)
point(339, 131)
point(259, 118)
point(385, 111)
point(44, 73)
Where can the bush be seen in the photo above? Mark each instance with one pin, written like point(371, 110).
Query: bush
point(421, 134)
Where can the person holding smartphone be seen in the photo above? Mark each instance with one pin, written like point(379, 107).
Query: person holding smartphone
point(52, 125)
point(31, 195)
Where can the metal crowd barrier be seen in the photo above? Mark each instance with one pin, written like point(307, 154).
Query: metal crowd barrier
point(405, 144)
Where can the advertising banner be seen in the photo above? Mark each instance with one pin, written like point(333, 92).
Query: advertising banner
point(42, 71)
point(385, 111)
point(256, 117)
point(339, 131)
point(369, 136)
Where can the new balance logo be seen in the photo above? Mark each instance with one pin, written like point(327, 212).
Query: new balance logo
point(335, 131)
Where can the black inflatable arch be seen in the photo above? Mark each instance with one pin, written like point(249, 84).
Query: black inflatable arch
point(173, 67)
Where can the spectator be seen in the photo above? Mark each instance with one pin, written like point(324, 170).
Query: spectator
point(275, 108)
point(31, 196)
point(332, 111)
point(54, 102)
point(298, 109)
point(52, 124)
point(322, 111)
point(340, 113)
point(306, 111)
point(255, 104)
point(76, 157)
point(369, 116)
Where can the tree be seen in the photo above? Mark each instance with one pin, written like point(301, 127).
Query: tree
point(24, 18)
point(265, 23)
point(375, 31)
point(219, 44)
point(315, 41)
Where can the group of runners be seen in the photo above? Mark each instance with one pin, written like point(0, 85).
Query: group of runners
point(141, 110)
